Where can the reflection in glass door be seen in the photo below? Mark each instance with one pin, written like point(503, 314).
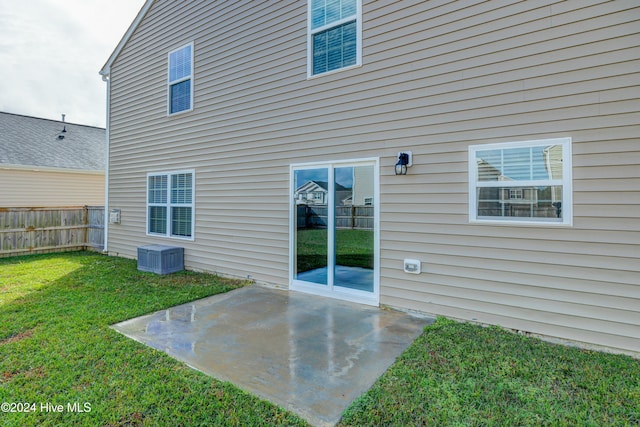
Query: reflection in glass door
point(353, 227)
point(334, 230)
point(311, 225)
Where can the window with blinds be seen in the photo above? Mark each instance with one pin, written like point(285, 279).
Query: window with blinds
point(180, 80)
point(526, 181)
point(334, 35)
point(170, 197)
point(157, 204)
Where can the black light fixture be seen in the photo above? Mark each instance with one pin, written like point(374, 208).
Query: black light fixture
point(404, 162)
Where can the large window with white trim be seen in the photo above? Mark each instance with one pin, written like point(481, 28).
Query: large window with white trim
point(334, 35)
point(180, 80)
point(170, 204)
point(520, 182)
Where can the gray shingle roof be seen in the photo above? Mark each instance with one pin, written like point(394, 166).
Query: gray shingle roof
point(31, 141)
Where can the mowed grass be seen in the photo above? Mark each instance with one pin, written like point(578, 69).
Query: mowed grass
point(56, 347)
point(353, 248)
point(459, 374)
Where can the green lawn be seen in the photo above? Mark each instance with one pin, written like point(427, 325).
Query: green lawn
point(56, 347)
point(353, 248)
point(459, 374)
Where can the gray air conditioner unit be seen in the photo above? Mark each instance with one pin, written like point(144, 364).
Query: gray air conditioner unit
point(160, 259)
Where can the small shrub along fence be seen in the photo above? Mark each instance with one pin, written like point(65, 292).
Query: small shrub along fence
point(38, 230)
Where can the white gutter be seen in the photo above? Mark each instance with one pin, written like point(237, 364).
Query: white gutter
point(107, 78)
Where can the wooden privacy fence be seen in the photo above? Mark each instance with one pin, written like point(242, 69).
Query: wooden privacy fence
point(356, 217)
point(35, 230)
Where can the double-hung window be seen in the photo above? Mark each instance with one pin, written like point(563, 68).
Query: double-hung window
point(170, 207)
point(521, 182)
point(180, 80)
point(334, 35)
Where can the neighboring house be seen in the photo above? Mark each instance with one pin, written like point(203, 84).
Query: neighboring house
point(220, 111)
point(317, 193)
point(312, 193)
point(363, 186)
point(50, 163)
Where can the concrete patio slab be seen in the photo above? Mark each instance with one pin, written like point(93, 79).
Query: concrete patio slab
point(308, 354)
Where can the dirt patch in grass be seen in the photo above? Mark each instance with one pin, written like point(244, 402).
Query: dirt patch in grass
point(35, 373)
point(17, 337)
point(135, 419)
point(6, 376)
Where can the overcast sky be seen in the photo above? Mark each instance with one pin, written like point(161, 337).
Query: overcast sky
point(51, 52)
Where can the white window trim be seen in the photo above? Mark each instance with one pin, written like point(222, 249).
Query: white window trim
point(311, 32)
point(566, 182)
point(189, 77)
point(169, 205)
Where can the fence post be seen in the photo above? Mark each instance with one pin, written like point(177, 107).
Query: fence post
point(85, 212)
point(353, 217)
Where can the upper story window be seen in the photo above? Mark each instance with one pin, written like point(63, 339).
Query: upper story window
point(180, 80)
point(334, 35)
point(170, 204)
point(521, 182)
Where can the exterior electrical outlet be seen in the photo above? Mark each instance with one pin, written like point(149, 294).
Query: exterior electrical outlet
point(412, 266)
point(114, 216)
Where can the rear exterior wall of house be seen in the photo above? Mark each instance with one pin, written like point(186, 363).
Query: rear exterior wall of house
point(436, 78)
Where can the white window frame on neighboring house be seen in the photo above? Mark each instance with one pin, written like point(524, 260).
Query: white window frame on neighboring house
point(536, 167)
point(180, 71)
point(169, 198)
point(322, 19)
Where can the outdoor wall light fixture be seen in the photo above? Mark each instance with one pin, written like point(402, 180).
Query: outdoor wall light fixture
point(404, 162)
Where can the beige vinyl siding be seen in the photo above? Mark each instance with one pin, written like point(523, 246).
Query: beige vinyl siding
point(437, 77)
point(27, 188)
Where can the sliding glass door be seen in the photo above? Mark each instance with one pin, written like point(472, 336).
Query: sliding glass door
point(334, 230)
